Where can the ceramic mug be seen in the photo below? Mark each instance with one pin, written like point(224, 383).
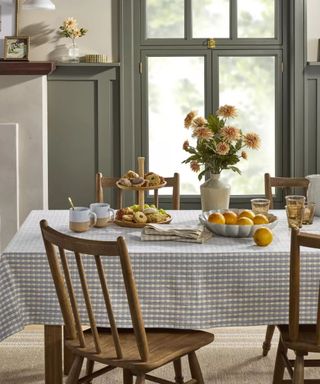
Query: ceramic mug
point(81, 219)
point(104, 213)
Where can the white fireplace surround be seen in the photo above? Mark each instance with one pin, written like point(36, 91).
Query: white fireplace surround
point(23, 150)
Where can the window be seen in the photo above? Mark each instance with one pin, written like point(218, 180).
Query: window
point(180, 73)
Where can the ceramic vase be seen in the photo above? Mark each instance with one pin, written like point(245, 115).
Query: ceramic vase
point(215, 194)
point(313, 193)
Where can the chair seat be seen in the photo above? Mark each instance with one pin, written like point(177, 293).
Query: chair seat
point(165, 345)
point(306, 341)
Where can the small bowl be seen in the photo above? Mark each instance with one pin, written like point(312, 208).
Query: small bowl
point(235, 230)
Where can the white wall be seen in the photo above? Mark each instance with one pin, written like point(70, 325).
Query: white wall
point(313, 30)
point(23, 100)
point(100, 17)
point(9, 182)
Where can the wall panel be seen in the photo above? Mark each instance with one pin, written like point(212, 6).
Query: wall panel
point(83, 131)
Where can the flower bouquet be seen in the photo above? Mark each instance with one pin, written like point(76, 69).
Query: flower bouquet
point(219, 144)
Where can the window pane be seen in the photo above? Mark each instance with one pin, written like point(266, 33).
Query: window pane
point(175, 87)
point(165, 18)
point(249, 84)
point(210, 18)
point(256, 18)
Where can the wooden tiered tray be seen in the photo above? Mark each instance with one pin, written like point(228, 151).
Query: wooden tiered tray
point(141, 191)
point(131, 224)
point(134, 188)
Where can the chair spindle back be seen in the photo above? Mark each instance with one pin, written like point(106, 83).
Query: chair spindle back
point(299, 239)
point(66, 293)
point(287, 184)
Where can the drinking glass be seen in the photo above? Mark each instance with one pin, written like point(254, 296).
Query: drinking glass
point(295, 200)
point(295, 210)
point(308, 213)
point(260, 206)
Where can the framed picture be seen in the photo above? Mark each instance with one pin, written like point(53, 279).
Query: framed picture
point(16, 47)
point(8, 21)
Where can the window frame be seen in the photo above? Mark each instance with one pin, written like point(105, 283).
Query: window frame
point(294, 49)
point(188, 40)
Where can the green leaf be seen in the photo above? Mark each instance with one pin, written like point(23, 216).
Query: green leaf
point(201, 174)
point(234, 169)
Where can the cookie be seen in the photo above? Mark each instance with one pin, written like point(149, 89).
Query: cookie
point(131, 175)
point(127, 217)
point(140, 217)
point(137, 181)
point(148, 211)
point(153, 179)
point(156, 218)
point(124, 181)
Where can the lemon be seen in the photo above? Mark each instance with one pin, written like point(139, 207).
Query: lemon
point(260, 219)
point(230, 217)
point(247, 213)
point(263, 236)
point(216, 218)
point(244, 221)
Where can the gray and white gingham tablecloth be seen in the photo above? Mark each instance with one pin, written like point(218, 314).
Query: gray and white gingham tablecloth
point(224, 282)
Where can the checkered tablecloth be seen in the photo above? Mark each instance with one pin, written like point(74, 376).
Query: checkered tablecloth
point(223, 282)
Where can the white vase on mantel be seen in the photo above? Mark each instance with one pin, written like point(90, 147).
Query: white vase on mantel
point(215, 194)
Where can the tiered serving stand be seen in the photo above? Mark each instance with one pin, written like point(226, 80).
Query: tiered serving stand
point(141, 193)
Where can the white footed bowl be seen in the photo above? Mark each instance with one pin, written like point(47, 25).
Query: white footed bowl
point(235, 230)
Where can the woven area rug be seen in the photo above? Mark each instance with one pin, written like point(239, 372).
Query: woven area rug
point(234, 358)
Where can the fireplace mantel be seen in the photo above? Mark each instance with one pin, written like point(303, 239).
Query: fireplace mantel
point(32, 68)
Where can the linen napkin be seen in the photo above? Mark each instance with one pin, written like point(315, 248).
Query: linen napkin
point(188, 233)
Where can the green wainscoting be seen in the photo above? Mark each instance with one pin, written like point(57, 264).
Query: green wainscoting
point(83, 131)
point(312, 119)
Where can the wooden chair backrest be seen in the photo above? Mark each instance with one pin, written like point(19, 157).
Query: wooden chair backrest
point(300, 239)
point(65, 286)
point(174, 183)
point(103, 182)
point(285, 183)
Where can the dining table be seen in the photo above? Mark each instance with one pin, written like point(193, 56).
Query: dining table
point(222, 282)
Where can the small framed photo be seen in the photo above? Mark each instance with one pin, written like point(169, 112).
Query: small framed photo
point(16, 47)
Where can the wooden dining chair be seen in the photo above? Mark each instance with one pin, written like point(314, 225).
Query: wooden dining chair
point(136, 351)
point(103, 182)
point(287, 184)
point(300, 338)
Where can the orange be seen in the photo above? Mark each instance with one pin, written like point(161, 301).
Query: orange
point(244, 221)
point(263, 236)
point(247, 213)
point(230, 217)
point(216, 218)
point(260, 219)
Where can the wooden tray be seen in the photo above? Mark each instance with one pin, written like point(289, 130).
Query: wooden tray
point(133, 188)
point(131, 224)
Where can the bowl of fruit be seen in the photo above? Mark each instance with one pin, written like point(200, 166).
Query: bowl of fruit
point(236, 222)
point(135, 217)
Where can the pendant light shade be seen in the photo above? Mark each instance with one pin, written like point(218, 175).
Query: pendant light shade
point(37, 4)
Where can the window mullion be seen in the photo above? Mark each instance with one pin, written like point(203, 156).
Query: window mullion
point(188, 19)
point(233, 19)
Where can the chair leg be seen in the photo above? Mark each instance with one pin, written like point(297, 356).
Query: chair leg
point(267, 341)
point(298, 373)
point(127, 377)
point(89, 368)
point(178, 372)
point(140, 379)
point(75, 370)
point(195, 368)
point(279, 364)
